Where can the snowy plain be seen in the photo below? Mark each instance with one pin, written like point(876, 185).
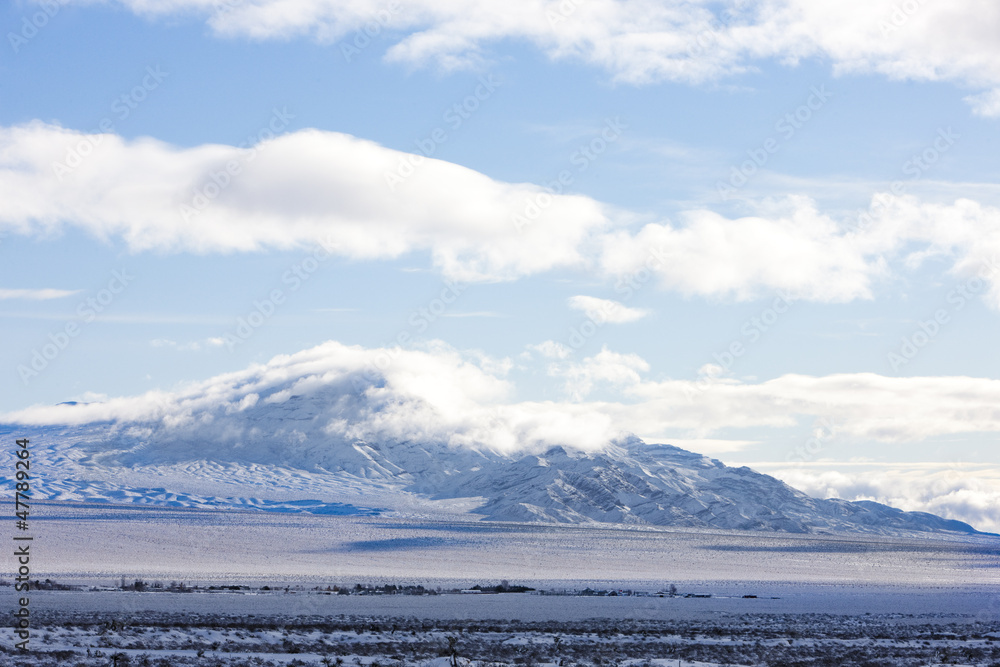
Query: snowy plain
point(80, 541)
point(820, 599)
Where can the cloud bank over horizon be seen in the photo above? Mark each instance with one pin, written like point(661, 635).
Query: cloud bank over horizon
point(441, 393)
point(949, 489)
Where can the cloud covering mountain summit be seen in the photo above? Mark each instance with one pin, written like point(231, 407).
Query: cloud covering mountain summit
point(447, 424)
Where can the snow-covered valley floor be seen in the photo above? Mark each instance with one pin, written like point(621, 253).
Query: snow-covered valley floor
point(820, 599)
point(88, 542)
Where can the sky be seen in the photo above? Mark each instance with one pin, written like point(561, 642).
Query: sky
point(764, 231)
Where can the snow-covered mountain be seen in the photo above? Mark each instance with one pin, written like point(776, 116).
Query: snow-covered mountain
point(311, 435)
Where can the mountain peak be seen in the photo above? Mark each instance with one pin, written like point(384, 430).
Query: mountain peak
point(320, 425)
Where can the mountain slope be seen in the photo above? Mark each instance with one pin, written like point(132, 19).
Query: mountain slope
point(630, 482)
point(321, 427)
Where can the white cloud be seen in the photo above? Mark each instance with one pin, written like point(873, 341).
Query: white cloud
point(191, 346)
point(792, 248)
point(985, 104)
point(966, 492)
point(611, 368)
point(296, 190)
point(463, 399)
point(966, 231)
point(551, 349)
point(639, 41)
point(36, 294)
point(862, 405)
point(865, 406)
point(312, 187)
point(603, 311)
point(708, 446)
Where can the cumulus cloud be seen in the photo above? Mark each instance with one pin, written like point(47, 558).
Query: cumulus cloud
point(313, 187)
point(604, 311)
point(967, 492)
point(863, 405)
point(605, 367)
point(966, 232)
point(866, 406)
point(794, 248)
point(36, 294)
point(438, 394)
point(641, 42)
point(295, 190)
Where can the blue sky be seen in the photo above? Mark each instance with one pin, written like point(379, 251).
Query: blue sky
point(823, 107)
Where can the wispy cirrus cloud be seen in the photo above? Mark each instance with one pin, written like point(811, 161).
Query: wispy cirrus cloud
point(606, 310)
point(474, 313)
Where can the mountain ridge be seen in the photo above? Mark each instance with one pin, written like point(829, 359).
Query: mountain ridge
point(629, 482)
point(319, 429)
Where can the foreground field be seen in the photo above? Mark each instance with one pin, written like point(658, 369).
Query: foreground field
point(161, 639)
point(757, 599)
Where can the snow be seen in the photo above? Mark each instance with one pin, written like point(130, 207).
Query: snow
point(285, 628)
point(283, 458)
